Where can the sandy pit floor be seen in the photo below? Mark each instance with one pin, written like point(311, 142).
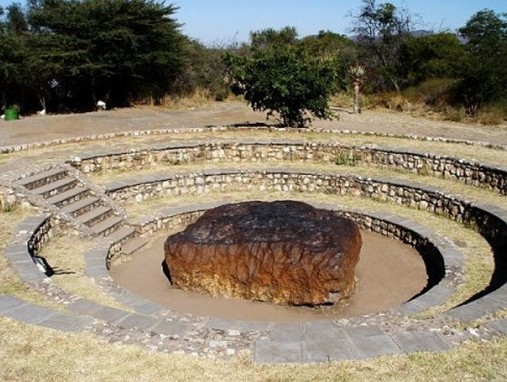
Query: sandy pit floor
point(389, 273)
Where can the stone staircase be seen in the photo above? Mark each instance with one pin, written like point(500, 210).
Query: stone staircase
point(64, 193)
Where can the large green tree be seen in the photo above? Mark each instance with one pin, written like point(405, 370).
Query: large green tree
point(14, 84)
point(114, 49)
point(71, 53)
point(281, 77)
point(484, 73)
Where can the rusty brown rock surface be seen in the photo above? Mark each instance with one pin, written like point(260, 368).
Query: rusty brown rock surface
point(285, 252)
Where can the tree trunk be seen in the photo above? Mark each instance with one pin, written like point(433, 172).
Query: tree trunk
point(357, 99)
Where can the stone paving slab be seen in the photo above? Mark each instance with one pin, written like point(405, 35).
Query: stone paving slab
point(420, 341)
point(16, 250)
point(31, 314)
point(147, 308)
point(364, 347)
point(487, 304)
point(436, 295)
point(242, 326)
point(143, 307)
point(500, 295)
point(28, 271)
point(97, 271)
point(96, 253)
point(410, 307)
point(67, 323)
point(499, 326)
point(9, 302)
point(96, 263)
point(98, 311)
point(173, 328)
point(287, 332)
point(326, 351)
point(466, 313)
point(323, 331)
point(278, 352)
point(139, 321)
point(363, 331)
point(31, 223)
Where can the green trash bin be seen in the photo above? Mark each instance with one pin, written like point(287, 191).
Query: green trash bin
point(11, 114)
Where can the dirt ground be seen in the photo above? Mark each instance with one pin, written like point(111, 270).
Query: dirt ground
point(42, 128)
point(388, 273)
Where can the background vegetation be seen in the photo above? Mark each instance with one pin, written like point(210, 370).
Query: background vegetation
point(65, 55)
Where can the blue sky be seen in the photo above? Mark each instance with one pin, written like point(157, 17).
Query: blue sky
point(226, 21)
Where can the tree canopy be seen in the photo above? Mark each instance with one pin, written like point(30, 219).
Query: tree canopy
point(72, 53)
point(281, 77)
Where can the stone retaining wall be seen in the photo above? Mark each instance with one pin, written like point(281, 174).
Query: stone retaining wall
point(40, 236)
point(468, 172)
point(491, 222)
point(137, 133)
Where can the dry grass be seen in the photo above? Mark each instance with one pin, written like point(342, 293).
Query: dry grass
point(29, 353)
point(66, 256)
point(52, 154)
point(10, 284)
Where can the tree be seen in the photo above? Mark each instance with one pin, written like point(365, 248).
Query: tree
point(332, 46)
point(484, 74)
point(432, 56)
point(94, 49)
point(356, 74)
point(380, 31)
point(13, 52)
point(279, 76)
point(203, 69)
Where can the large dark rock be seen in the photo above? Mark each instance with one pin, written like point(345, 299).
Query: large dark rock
point(285, 252)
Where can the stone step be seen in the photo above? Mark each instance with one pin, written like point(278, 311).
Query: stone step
point(53, 188)
point(67, 197)
point(81, 206)
point(42, 178)
point(121, 234)
point(133, 245)
point(95, 215)
point(107, 226)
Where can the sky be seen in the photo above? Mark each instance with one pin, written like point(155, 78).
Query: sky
point(223, 22)
point(226, 21)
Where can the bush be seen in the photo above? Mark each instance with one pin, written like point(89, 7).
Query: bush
point(435, 92)
point(492, 115)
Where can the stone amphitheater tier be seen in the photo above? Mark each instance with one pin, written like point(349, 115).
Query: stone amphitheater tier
point(361, 337)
